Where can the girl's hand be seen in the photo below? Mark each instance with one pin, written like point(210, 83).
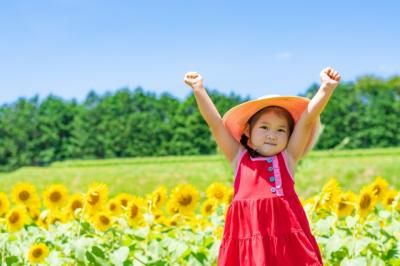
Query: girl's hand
point(329, 77)
point(194, 80)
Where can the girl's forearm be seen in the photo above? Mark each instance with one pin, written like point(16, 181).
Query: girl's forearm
point(317, 104)
point(207, 107)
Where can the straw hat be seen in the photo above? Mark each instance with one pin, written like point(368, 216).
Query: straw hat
point(235, 120)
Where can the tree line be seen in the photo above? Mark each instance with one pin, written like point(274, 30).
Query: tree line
point(131, 123)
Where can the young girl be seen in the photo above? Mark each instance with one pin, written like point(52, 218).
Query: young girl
point(263, 140)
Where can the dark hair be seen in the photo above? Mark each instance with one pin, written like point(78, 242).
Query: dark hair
point(282, 112)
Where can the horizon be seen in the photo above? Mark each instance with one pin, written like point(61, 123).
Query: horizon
point(159, 93)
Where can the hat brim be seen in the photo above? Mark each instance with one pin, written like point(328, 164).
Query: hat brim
point(235, 119)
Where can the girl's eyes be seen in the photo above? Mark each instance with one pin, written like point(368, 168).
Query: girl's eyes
point(280, 130)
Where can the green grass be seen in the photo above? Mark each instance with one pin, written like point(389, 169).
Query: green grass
point(139, 176)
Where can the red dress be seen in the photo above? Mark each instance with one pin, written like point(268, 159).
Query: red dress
point(265, 222)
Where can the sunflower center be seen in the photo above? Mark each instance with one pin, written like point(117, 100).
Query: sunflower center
point(365, 202)
point(113, 206)
point(124, 202)
point(219, 194)
point(37, 252)
point(76, 205)
point(134, 211)
point(104, 220)
point(342, 205)
point(158, 198)
point(389, 201)
point(55, 196)
point(208, 208)
point(56, 220)
point(377, 190)
point(94, 198)
point(185, 200)
point(14, 217)
point(23, 195)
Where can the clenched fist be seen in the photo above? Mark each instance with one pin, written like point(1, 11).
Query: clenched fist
point(194, 80)
point(329, 77)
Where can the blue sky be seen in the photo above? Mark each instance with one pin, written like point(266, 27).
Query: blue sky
point(250, 47)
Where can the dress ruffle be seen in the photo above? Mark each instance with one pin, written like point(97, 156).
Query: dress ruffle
point(269, 230)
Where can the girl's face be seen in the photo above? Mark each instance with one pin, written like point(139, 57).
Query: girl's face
point(270, 134)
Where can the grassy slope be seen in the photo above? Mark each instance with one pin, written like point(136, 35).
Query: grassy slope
point(138, 176)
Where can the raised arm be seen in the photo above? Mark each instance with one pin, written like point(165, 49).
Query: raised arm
point(329, 80)
point(224, 139)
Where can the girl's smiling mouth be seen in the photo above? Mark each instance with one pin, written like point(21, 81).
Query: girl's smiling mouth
point(269, 143)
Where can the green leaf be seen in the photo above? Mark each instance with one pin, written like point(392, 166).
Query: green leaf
point(132, 247)
point(11, 259)
point(201, 257)
point(90, 257)
point(158, 263)
point(98, 252)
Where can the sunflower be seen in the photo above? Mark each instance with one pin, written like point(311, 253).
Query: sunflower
point(33, 212)
point(198, 224)
point(96, 196)
point(208, 207)
point(158, 197)
point(172, 207)
point(43, 220)
point(75, 202)
point(389, 199)
point(135, 211)
point(38, 253)
point(228, 195)
point(4, 204)
point(175, 220)
point(186, 197)
point(25, 193)
point(55, 196)
point(329, 197)
point(124, 198)
point(56, 216)
point(102, 220)
point(216, 191)
point(218, 232)
point(346, 205)
point(366, 201)
point(114, 206)
point(379, 187)
point(158, 215)
point(16, 218)
point(310, 200)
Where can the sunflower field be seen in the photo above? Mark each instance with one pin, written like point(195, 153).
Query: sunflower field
point(183, 226)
